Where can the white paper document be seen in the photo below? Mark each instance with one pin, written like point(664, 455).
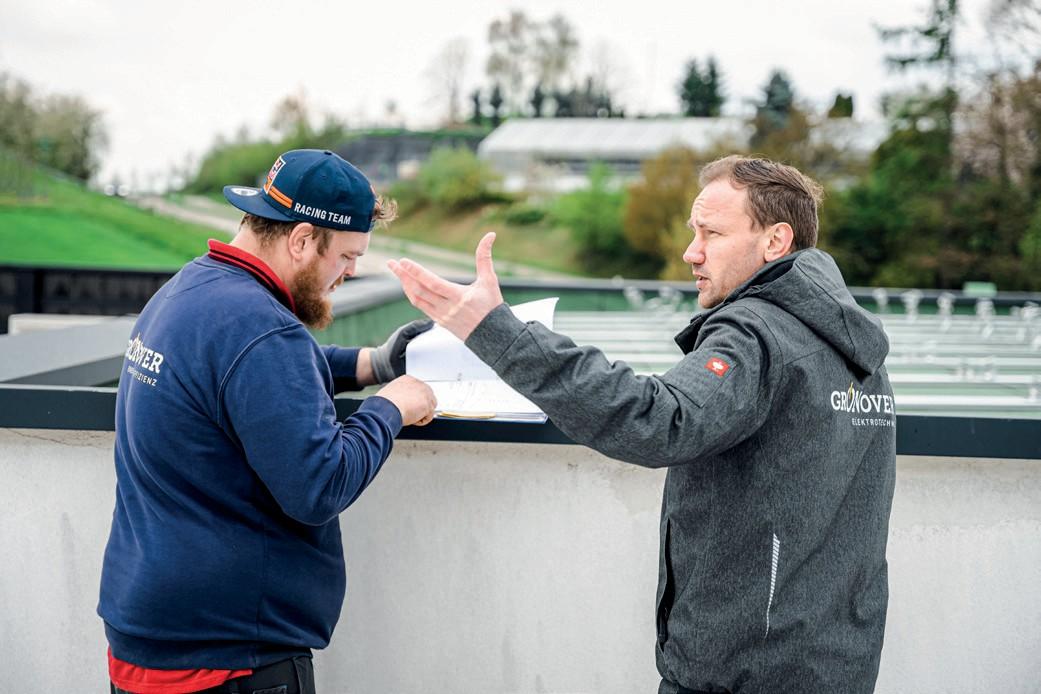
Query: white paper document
point(466, 387)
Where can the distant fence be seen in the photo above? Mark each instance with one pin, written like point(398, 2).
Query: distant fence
point(110, 292)
point(29, 289)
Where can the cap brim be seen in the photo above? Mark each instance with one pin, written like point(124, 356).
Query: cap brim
point(252, 200)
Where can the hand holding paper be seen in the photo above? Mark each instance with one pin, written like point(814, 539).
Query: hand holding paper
point(457, 307)
point(464, 385)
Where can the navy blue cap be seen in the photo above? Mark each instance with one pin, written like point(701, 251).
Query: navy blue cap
point(310, 185)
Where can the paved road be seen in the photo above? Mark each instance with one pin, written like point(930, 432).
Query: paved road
point(225, 218)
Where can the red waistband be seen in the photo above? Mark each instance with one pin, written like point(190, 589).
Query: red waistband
point(141, 680)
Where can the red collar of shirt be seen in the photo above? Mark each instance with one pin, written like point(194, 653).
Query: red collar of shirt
point(263, 273)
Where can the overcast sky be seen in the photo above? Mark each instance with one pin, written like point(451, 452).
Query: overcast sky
point(170, 76)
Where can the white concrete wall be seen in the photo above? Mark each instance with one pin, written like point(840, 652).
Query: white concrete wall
point(508, 568)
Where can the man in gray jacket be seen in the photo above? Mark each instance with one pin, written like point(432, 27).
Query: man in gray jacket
point(777, 427)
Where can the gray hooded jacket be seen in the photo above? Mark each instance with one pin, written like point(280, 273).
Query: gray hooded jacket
point(777, 427)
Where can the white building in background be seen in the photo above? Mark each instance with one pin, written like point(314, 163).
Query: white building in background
point(555, 154)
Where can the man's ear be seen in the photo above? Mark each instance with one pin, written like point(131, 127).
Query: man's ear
point(298, 239)
point(780, 237)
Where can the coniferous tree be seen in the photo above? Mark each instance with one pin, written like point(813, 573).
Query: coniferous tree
point(496, 101)
point(477, 118)
point(538, 100)
point(842, 107)
point(773, 112)
point(701, 91)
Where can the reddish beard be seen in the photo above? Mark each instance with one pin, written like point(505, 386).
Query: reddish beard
point(312, 307)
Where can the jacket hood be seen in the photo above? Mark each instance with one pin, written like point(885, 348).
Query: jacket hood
point(808, 285)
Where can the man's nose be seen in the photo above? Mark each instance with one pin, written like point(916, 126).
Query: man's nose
point(695, 253)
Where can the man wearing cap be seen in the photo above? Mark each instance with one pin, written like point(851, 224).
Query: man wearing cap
point(224, 566)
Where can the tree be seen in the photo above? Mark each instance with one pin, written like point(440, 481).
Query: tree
point(291, 116)
point(942, 205)
point(445, 77)
point(594, 216)
point(590, 100)
point(662, 197)
point(69, 136)
point(701, 91)
point(611, 75)
point(510, 45)
point(928, 45)
point(476, 116)
point(455, 178)
point(775, 108)
point(17, 114)
point(60, 131)
point(1015, 24)
point(525, 54)
point(1004, 117)
point(565, 103)
point(842, 107)
point(1030, 247)
point(538, 100)
point(496, 101)
point(554, 50)
point(887, 228)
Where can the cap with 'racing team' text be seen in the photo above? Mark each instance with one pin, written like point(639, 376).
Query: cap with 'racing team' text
point(311, 185)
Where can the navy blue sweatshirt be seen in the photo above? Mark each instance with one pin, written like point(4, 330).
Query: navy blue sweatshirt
point(231, 470)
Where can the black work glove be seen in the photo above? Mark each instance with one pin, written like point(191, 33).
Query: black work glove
point(388, 360)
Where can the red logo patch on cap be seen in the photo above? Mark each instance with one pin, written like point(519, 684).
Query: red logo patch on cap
point(273, 172)
point(717, 366)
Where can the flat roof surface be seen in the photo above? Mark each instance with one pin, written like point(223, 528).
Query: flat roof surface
point(951, 365)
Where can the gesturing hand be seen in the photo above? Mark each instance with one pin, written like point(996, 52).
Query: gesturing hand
point(459, 308)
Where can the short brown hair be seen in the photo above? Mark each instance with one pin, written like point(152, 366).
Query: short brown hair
point(267, 230)
point(776, 193)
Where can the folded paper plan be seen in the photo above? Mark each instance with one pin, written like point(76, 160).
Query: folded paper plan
point(466, 387)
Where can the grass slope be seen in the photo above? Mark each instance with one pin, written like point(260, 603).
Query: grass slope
point(63, 223)
point(541, 245)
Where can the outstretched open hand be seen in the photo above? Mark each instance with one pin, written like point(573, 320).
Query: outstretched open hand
point(459, 308)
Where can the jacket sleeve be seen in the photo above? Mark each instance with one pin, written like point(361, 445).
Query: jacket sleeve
point(343, 361)
point(714, 398)
point(275, 402)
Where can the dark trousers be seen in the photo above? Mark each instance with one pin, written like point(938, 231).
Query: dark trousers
point(680, 689)
point(291, 676)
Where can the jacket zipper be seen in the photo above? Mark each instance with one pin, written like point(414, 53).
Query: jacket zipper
point(773, 580)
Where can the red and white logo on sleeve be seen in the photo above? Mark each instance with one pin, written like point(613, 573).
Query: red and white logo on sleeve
point(717, 366)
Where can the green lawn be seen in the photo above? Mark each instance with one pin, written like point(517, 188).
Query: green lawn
point(63, 223)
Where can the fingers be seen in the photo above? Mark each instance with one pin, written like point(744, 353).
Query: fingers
point(485, 267)
point(417, 327)
point(426, 307)
point(432, 408)
point(439, 301)
point(406, 269)
point(430, 304)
